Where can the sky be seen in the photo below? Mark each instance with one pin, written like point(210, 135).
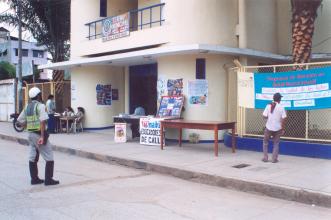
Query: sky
point(13, 31)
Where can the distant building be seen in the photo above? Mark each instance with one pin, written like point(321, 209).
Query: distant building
point(31, 52)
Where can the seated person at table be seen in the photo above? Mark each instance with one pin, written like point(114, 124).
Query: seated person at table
point(78, 119)
point(68, 111)
point(139, 111)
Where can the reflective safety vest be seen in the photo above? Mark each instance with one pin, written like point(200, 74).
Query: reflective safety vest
point(32, 117)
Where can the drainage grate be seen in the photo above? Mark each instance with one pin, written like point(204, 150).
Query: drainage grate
point(242, 165)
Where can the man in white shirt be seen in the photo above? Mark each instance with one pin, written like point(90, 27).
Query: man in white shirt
point(50, 108)
point(275, 115)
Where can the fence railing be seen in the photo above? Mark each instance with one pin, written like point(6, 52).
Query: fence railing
point(61, 100)
point(142, 18)
point(305, 125)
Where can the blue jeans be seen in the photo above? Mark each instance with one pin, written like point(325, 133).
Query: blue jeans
point(51, 123)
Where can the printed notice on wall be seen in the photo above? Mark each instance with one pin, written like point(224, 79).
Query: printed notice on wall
point(103, 94)
point(73, 91)
point(161, 87)
point(150, 133)
point(198, 92)
point(301, 89)
point(246, 89)
point(175, 87)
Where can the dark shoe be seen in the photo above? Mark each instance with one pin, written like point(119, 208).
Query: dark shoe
point(51, 182)
point(49, 169)
point(265, 160)
point(275, 161)
point(37, 181)
point(34, 173)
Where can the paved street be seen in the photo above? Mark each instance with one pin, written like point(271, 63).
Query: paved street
point(95, 190)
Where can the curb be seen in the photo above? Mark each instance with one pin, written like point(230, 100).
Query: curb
point(271, 190)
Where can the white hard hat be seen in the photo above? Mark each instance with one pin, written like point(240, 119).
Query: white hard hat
point(33, 92)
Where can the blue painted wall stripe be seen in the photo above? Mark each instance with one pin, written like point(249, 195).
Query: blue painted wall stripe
point(292, 148)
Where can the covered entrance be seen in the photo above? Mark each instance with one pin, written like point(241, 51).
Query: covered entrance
point(143, 88)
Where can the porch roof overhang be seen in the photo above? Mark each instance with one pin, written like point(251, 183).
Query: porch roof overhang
point(149, 56)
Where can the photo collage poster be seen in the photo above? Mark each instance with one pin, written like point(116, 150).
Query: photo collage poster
point(175, 87)
point(104, 95)
point(171, 106)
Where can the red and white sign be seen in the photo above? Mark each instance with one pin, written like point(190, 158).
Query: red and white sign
point(150, 133)
point(116, 27)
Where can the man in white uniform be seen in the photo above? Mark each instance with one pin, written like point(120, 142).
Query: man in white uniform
point(275, 115)
point(34, 117)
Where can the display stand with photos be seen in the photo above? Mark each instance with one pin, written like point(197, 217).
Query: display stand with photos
point(170, 108)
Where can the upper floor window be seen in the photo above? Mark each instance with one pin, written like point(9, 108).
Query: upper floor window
point(103, 8)
point(38, 53)
point(200, 69)
point(25, 52)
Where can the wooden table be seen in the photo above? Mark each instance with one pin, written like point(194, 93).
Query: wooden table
point(67, 119)
point(203, 125)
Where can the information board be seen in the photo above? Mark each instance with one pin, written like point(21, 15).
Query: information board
point(171, 106)
point(150, 131)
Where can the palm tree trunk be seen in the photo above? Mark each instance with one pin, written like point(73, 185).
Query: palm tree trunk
point(304, 13)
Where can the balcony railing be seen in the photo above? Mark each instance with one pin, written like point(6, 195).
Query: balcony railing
point(142, 18)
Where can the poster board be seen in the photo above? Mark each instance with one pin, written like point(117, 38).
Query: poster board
point(171, 106)
point(198, 92)
point(103, 94)
point(120, 133)
point(150, 132)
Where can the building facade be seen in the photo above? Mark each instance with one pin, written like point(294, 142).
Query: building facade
point(32, 54)
point(171, 39)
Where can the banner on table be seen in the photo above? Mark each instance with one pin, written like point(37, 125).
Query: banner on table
point(116, 27)
point(150, 133)
point(301, 89)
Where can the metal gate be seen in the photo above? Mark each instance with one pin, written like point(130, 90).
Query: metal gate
point(7, 99)
point(306, 125)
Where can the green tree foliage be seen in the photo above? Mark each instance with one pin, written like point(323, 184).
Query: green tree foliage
point(7, 71)
point(47, 20)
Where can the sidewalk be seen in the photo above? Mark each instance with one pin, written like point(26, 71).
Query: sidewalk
point(300, 179)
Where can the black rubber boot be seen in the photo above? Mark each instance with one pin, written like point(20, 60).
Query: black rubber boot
point(34, 173)
point(49, 169)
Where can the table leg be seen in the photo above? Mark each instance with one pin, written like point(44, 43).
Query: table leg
point(162, 136)
point(180, 136)
point(233, 140)
point(67, 126)
point(216, 141)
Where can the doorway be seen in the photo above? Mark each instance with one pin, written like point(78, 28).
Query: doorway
point(142, 88)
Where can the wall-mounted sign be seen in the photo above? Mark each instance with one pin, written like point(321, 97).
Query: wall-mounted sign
point(301, 89)
point(150, 131)
point(198, 92)
point(103, 94)
point(175, 87)
point(114, 94)
point(116, 27)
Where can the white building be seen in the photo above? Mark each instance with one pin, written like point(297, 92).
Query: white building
point(31, 52)
point(176, 39)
